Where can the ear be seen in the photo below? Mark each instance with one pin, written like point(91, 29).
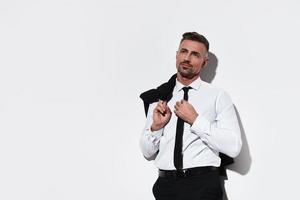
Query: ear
point(205, 63)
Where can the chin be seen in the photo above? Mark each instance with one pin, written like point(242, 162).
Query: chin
point(186, 75)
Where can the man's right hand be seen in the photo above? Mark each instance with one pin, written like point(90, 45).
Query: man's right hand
point(161, 116)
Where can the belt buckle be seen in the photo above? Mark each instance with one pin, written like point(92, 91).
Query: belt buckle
point(181, 173)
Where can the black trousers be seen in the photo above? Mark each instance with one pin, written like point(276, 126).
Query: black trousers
point(201, 187)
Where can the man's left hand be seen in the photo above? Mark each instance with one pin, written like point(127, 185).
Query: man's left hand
point(185, 111)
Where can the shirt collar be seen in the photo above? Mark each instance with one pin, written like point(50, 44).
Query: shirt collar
point(195, 84)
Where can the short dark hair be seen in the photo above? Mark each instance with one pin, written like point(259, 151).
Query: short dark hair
point(194, 36)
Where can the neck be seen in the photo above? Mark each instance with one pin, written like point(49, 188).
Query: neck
point(186, 81)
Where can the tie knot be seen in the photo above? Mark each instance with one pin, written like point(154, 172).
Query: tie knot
point(185, 90)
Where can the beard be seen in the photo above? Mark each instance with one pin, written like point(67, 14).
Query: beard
point(186, 72)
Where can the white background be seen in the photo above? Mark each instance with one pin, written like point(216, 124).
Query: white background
point(70, 77)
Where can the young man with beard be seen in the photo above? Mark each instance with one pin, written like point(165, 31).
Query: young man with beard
point(189, 124)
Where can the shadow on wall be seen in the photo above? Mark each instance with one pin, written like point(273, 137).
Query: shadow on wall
point(208, 73)
point(242, 162)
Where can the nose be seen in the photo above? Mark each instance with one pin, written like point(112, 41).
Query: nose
point(187, 57)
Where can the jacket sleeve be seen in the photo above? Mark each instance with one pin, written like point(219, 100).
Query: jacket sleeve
point(222, 134)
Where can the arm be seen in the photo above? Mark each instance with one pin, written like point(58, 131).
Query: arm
point(159, 115)
point(222, 134)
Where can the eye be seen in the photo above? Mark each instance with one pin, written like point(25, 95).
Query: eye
point(183, 51)
point(195, 54)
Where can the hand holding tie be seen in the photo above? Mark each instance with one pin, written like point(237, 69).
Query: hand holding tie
point(185, 111)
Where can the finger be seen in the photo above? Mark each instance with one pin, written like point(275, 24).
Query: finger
point(185, 102)
point(178, 103)
point(176, 112)
point(160, 103)
point(176, 107)
point(161, 109)
point(166, 107)
point(163, 104)
point(156, 110)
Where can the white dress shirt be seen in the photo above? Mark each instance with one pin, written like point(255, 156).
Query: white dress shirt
point(216, 129)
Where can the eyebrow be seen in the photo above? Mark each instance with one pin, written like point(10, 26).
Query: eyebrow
point(193, 52)
point(196, 53)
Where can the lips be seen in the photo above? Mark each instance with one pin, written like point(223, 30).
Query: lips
point(185, 65)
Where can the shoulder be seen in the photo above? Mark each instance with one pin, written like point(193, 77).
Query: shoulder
point(208, 87)
point(219, 94)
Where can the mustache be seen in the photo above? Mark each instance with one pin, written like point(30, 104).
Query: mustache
point(186, 62)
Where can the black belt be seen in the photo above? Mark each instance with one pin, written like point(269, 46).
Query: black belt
point(186, 172)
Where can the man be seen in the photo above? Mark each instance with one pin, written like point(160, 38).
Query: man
point(189, 123)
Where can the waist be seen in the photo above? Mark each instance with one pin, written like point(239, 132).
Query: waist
point(196, 171)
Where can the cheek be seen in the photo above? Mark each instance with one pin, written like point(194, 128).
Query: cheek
point(177, 63)
point(197, 65)
point(178, 58)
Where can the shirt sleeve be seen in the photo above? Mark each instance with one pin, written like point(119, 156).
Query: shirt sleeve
point(149, 141)
point(222, 134)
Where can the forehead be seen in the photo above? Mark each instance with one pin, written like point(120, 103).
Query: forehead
point(192, 46)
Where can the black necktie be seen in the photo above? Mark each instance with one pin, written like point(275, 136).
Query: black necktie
point(179, 133)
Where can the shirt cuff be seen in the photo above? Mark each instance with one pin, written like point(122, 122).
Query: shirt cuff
point(155, 135)
point(201, 125)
